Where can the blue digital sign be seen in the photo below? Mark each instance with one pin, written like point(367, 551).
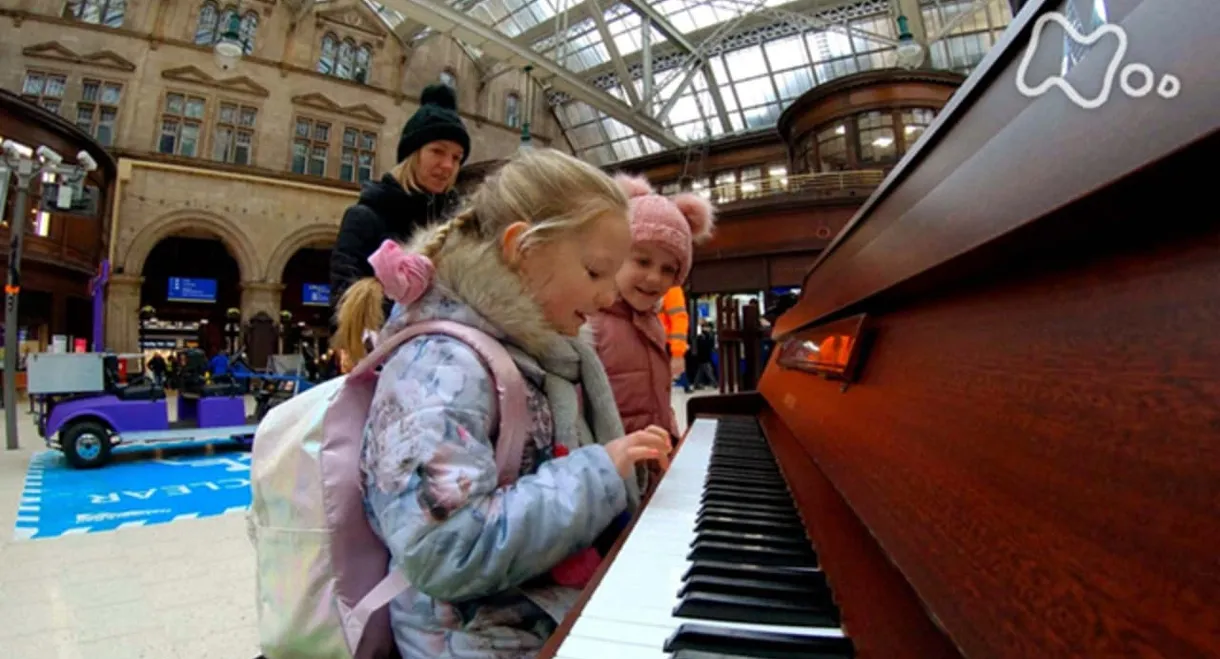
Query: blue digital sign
point(316, 295)
point(185, 289)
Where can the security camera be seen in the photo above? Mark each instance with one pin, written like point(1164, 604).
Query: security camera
point(49, 156)
point(86, 161)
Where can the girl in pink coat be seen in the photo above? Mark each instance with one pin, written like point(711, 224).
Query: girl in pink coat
point(629, 337)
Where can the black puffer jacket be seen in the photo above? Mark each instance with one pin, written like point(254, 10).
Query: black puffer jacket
point(385, 211)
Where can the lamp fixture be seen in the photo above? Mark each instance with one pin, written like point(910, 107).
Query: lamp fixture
point(229, 48)
point(526, 138)
point(909, 51)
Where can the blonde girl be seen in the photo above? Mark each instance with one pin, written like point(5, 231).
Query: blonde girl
point(532, 257)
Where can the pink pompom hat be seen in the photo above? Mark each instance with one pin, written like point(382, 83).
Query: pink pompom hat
point(676, 224)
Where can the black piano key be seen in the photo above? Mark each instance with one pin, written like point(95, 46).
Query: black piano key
point(694, 638)
point(747, 524)
point(728, 476)
point(730, 497)
point(774, 489)
point(756, 610)
point(805, 575)
point(777, 540)
point(750, 509)
point(756, 588)
point(700, 654)
point(746, 497)
point(706, 550)
point(755, 482)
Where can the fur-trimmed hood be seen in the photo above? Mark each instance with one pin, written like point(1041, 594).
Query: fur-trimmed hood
point(471, 272)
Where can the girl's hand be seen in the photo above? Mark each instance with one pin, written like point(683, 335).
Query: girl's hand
point(676, 366)
point(651, 443)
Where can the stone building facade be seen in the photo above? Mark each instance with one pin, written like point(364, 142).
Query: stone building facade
point(263, 157)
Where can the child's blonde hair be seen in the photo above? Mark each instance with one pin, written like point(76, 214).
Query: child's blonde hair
point(552, 192)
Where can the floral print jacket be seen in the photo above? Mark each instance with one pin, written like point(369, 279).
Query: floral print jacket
point(477, 555)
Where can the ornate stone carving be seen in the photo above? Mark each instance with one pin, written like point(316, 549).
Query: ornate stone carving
point(53, 50)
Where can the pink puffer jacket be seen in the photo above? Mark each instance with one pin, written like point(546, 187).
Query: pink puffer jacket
point(632, 348)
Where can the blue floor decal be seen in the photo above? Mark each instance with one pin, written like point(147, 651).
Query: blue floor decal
point(59, 500)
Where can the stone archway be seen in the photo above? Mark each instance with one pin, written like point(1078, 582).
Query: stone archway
point(228, 232)
point(310, 236)
point(123, 290)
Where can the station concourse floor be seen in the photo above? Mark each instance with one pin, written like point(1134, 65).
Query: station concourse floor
point(179, 590)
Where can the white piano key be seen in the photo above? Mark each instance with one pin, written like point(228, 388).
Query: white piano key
point(631, 612)
point(591, 648)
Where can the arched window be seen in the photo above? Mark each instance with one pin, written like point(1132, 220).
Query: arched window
point(448, 78)
point(347, 59)
point(223, 23)
point(99, 12)
point(205, 29)
point(364, 62)
point(512, 109)
point(249, 29)
point(326, 61)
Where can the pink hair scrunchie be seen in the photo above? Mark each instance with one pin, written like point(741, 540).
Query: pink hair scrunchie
point(404, 275)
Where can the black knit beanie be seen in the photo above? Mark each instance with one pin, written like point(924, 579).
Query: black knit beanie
point(436, 119)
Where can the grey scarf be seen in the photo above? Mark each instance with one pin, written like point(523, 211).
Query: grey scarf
point(569, 362)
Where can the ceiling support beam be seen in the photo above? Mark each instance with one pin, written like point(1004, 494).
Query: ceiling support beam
point(496, 45)
point(646, 47)
point(543, 30)
point(713, 86)
point(619, 67)
point(648, 12)
point(694, 59)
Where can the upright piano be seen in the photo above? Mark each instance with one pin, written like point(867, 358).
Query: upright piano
point(990, 427)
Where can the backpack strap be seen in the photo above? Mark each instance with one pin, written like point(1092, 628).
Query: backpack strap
point(509, 384)
point(510, 442)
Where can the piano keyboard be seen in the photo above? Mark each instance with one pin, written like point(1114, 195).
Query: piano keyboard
point(718, 565)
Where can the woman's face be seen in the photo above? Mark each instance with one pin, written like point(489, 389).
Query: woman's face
point(438, 162)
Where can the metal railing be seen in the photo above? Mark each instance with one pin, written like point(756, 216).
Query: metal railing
point(819, 182)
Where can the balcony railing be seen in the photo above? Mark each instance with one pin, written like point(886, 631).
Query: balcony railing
point(829, 184)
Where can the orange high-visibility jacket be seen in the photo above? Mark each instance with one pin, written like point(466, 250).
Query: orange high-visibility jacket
point(675, 320)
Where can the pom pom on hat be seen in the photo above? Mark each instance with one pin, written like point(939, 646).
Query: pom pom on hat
point(634, 186)
point(699, 212)
point(440, 95)
point(676, 224)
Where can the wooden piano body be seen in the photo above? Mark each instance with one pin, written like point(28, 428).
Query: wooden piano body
point(1018, 455)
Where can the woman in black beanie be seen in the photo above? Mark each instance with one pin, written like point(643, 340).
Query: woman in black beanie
point(416, 192)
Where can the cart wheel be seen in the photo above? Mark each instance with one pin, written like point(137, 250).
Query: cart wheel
point(86, 444)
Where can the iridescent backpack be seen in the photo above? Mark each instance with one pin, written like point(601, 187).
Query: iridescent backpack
point(323, 575)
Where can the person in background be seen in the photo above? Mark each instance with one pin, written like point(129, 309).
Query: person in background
point(705, 348)
point(156, 366)
point(676, 322)
point(418, 191)
point(219, 364)
point(630, 338)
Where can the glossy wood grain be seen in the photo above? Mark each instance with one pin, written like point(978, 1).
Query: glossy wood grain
point(880, 611)
point(1038, 450)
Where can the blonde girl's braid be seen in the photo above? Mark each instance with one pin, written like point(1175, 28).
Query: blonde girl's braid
point(360, 308)
point(457, 224)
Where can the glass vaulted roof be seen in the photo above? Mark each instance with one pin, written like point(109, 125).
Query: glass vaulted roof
point(757, 56)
